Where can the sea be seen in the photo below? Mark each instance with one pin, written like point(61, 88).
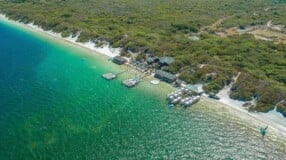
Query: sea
point(54, 105)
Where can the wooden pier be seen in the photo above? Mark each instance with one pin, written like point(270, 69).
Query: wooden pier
point(109, 76)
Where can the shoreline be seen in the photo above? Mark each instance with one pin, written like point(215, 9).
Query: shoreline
point(256, 118)
point(104, 49)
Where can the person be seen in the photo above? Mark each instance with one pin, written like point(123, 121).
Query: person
point(263, 131)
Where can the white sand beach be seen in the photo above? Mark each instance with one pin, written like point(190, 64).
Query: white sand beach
point(104, 49)
point(273, 119)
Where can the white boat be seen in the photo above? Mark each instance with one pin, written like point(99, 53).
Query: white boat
point(155, 82)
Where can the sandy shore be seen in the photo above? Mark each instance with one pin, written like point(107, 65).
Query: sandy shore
point(273, 118)
point(104, 50)
point(256, 120)
point(276, 123)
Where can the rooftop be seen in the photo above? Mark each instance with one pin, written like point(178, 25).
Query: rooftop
point(151, 59)
point(109, 76)
point(119, 60)
point(166, 60)
point(165, 74)
point(194, 88)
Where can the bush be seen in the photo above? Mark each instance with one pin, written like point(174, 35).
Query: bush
point(282, 108)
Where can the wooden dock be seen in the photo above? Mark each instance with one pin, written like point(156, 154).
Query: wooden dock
point(109, 76)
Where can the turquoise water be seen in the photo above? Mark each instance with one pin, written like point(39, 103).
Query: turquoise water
point(55, 105)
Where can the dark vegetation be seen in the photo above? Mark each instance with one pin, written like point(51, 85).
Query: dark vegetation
point(164, 27)
point(282, 108)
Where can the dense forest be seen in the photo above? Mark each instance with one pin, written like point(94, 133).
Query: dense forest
point(165, 27)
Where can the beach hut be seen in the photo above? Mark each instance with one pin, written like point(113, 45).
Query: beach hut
point(194, 89)
point(165, 61)
point(119, 60)
point(165, 76)
point(151, 59)
point(180, 83)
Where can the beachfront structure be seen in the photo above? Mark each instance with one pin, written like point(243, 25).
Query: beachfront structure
point(194, 89)
point(109, 76)
point(213, 96)
point(180, 83)
point(166, 61)
point(151, 59)
point(119, 60)
point(140, 66)
point(165, 76)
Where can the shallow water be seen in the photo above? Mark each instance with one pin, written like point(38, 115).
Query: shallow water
point(55, 105)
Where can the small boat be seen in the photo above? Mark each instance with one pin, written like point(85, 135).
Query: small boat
point(177, 100)
point(213, 96)
point(171, 97)
point(183, 100)
point(131, 82)
point(155, 82)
